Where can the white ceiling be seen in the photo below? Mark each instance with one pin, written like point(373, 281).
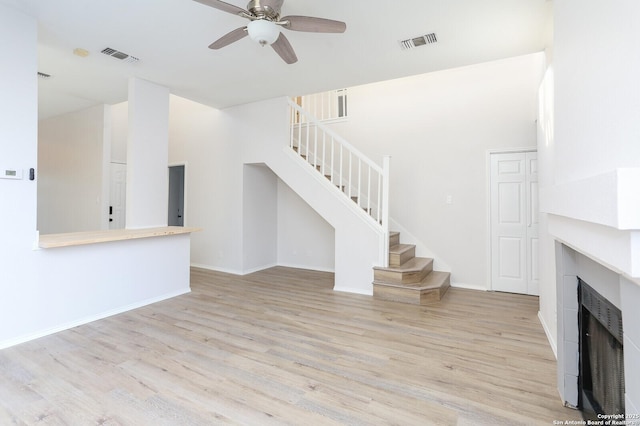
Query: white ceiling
point(170, 37)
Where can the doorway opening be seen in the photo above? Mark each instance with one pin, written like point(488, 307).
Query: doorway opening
point(176, 195)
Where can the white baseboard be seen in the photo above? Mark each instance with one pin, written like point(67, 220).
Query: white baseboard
point(306, 267)
point(353, 290)
point(468, 286)
point(259, 268)
point(232, 271)
point(65, 326)
point(552, 343)
point(216, 269)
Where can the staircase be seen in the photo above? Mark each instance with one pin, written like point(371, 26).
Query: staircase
point(408, 279)
point(360, 179)
point(356, 204)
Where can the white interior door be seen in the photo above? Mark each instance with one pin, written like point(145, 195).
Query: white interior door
point(117, 196)
point(514, 222)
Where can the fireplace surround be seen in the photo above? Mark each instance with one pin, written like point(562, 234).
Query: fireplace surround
point(620, 292)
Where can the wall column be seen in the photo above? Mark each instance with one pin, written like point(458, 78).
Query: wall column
point(147, 155)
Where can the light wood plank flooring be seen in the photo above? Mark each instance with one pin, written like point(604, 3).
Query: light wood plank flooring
point(280, 347)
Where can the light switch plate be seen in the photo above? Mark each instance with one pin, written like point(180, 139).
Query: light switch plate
point(10, 173)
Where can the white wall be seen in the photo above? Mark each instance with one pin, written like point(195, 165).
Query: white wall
point(18, 145)
point(438, 128)
point(305, 239)
point(201, 136)
point(547, 264)
point(71, 166)
point(119, 132)
point(259, 217)
point(597, 96)
point(147, 154)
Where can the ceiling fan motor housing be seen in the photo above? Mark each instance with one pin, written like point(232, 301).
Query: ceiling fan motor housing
point(265, 9)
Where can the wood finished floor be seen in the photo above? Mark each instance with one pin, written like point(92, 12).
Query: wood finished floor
point(280, 347)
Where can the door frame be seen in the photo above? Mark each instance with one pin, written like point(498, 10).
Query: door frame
point(490, 152)
point(184, 207)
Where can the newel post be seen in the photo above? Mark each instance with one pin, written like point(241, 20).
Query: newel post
point(386, 165)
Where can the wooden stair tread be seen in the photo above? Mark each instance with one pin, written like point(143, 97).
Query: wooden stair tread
point(428, 291)
point(435, 280)
point(409, 279)
point(413, 265)
point(400, 248)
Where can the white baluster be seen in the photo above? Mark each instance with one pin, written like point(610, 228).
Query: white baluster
point(386, 165)
point(379, 200)
point(308, 124)
point(359, 181)
point(341, 169)
point(315, 147)
point(324, 153)
point(369, 193)
point(333, 164)
point(294, 124)
point(349, 178)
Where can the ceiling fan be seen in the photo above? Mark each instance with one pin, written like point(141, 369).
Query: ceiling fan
point(265, 20)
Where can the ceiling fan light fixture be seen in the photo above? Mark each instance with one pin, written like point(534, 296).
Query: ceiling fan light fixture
point(263, 31)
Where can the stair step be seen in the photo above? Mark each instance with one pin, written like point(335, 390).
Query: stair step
point(394, 238)
point(401, 253)
point(410, 272)
point(430, 290)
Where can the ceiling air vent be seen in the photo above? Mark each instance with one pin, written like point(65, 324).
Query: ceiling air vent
point(43, 75)
point(423, 40)
point(119, 55)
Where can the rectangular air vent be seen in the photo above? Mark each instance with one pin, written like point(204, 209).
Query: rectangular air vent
point(119, 55)
point(423, 40)
point(43, 75)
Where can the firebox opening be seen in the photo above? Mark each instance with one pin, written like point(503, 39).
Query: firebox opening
point(601, 356)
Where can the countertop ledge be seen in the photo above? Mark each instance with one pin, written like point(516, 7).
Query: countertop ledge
point(93, 237)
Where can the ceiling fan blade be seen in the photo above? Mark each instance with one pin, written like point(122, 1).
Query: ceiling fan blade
point(284, 49)
point(313, 25)
point(225, 7)
point(229, 38)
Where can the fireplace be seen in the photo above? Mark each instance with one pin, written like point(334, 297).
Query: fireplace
point(601, 386)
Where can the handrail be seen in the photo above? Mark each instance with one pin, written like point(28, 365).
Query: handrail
point(316, 122)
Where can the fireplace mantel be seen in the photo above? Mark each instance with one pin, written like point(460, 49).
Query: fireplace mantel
point(600, 217)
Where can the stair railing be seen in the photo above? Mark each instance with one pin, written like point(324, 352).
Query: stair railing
point(350, 171)
point(325, 106)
